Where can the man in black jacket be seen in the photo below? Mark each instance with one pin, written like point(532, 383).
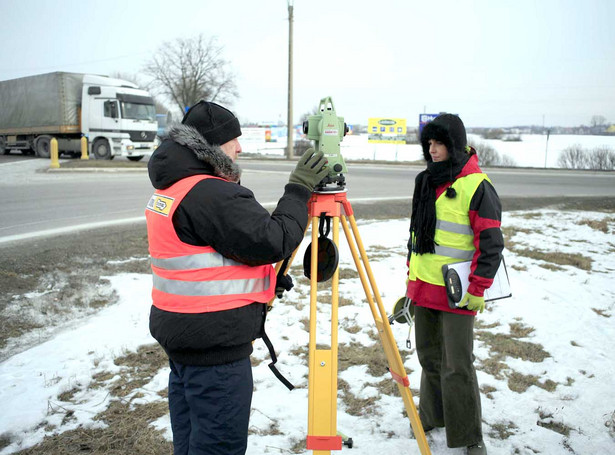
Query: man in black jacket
point(207, 330)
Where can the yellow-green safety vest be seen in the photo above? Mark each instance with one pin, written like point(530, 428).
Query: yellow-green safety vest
point(454, 237)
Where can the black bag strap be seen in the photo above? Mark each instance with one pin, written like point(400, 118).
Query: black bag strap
point(274, 359)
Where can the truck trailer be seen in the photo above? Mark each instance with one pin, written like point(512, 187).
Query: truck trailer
point(116, 117)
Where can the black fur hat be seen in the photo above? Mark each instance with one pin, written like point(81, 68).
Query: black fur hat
point(215, 123)
point(448, 129)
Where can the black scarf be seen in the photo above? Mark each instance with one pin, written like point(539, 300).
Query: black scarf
point(423, 219)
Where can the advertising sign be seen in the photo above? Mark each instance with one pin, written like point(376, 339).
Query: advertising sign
point(424, 119)
point(386, 130)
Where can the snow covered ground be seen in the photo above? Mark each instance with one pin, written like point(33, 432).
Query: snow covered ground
point(550, 393)
point(529, 152)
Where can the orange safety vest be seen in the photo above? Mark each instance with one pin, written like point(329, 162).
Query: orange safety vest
point(197, 279)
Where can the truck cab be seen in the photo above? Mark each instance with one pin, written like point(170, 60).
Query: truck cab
point(118, 118)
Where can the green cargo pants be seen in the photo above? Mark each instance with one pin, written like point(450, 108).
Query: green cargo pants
point(449, 395)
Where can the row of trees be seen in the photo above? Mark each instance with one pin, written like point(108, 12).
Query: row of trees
point(576, 157)
point(573, 157)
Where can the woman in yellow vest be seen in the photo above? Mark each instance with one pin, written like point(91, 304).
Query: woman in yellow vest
point(456, 216)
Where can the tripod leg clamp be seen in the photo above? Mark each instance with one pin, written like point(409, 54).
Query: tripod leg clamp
point(403, 380)
point(324, 443)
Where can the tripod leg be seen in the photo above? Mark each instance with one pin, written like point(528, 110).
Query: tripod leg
point(322, 377)
point(396, 366)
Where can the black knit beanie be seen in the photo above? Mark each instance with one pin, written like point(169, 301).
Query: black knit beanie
point(448, 129)
point(215, 123)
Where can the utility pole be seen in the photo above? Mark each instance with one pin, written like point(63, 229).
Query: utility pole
point(289, 119)
point(547, 146)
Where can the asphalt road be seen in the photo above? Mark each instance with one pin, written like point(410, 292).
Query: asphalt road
point(38, 202)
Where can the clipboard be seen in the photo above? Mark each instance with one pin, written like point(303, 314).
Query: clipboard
point(456, 281)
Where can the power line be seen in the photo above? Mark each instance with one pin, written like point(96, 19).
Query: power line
point(64, 65)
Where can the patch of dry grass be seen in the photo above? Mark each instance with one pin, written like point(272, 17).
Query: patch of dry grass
point(356, 406)
point(599, 225)
point(351, 327)
point(358, 354)
point(503, 430)
point(297, 445)
point(555, 258)
point(273, 429)
point(142, 365)
point(519, 383)
point(548, 421)
point(488, 390)
point(509, 345)
point(602, 313)
point(127, 425)
point(128, 431)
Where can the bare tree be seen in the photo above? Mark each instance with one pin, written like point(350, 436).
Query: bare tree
point(598, 120)
point(489, 156)
point(314, 111)
point(601, 158)
point(189, 70)
point(573, 157)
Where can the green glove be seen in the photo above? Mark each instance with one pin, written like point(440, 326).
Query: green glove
point(311, 169)
point(473, 302)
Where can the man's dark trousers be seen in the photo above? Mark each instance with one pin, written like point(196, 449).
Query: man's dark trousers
point(449, 394)
point(210, 408)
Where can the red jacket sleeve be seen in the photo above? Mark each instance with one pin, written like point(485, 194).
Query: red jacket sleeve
point(485, 220)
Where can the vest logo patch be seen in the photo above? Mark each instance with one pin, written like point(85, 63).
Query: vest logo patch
point(160, 204)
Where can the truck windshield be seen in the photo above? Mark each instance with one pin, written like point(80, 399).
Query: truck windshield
point(138, 111)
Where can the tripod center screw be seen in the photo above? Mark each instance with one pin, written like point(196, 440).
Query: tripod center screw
point(322, 364)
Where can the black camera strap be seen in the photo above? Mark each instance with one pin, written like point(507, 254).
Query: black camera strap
point(274, 360)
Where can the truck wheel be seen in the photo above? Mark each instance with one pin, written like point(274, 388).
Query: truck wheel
point(101, 149)
point(43, 147)
point(3, 149)
point(135, 158)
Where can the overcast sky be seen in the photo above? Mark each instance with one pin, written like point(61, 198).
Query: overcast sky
point(495, 63)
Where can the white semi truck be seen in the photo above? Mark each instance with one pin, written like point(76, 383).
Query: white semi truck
point(116, 117)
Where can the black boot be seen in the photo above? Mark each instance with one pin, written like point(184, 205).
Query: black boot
point(477, 449)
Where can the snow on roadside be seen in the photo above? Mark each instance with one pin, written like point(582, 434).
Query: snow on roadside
point(33, 379)
point(570, 310)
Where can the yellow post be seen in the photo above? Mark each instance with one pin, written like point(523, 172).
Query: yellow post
point(84, 148)
point(55, 164)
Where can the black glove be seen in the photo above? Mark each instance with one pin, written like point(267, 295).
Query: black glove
point(282, 283)
point(311, 169)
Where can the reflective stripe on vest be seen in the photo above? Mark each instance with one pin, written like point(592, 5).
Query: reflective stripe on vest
point(193, 261)
point(210, 288)
point(197, 279)
point(454, 227)
point(454, 237)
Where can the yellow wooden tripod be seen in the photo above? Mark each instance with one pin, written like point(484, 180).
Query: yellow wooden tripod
point(322, 380)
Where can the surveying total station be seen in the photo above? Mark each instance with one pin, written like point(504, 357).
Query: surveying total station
point(329, 202)
point(327, 130)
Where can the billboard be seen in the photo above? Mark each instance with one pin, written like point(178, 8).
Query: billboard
point(424, 119)
point(387, 130)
